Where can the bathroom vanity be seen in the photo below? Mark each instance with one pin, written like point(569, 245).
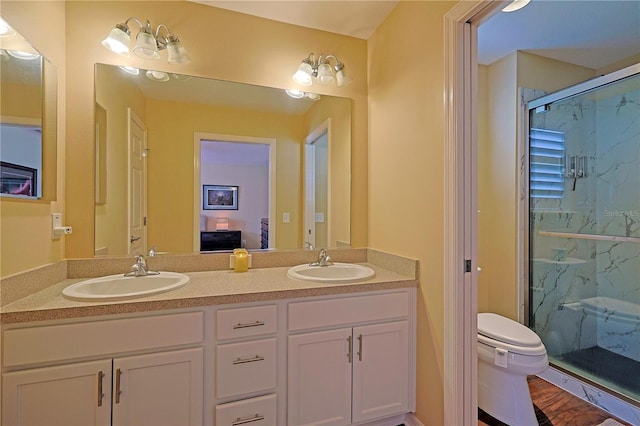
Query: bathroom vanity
point(253, 348)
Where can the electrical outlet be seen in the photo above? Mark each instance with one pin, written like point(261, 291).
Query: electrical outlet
point(285, 217)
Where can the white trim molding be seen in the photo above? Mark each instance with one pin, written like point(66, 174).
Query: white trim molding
point(460, 227)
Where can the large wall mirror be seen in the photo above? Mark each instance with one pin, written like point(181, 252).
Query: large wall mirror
point(28, 129)
point(188, 164)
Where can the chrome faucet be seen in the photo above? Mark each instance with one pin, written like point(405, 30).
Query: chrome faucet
point(323, 259)
point(308, 245)
point(139, 269)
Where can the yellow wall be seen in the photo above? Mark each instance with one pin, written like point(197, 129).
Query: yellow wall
point(406, 171)
point(340, 166)
point(116, 95)
point(171, 128)
point(25, 226)
point(499, 168)
point(21, 100)
point(223, 45)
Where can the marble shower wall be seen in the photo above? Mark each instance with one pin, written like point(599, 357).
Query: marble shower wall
point(569, 274)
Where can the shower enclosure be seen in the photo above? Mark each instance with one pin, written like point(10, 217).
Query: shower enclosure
point(584, 230)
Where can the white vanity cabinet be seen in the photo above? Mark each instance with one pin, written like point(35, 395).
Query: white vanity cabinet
point(159, 386)
point(354, 373)
point(246, 360)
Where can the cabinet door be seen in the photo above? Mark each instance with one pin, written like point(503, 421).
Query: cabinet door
point(380, 370)
point(158, 389)
point(74, 394)
point(319, 378)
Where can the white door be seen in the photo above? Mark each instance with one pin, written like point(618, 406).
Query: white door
point(380, 370)
point(137, 185)
point(319, 378)
point(316, 211)
point(159, 389)
point(75, 394)
point(310, 194)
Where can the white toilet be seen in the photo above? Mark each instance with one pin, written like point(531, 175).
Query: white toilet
point(507, 353)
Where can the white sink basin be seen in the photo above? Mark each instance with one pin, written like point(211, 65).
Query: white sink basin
point(114, 287)
point(336, 273)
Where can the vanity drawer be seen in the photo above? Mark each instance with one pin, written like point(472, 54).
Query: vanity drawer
point(260, 411)
point(356, 309)
point(246, 322)
point(245, 367)
point(52, 343)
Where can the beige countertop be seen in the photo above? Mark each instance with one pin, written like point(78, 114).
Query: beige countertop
point(204, 289)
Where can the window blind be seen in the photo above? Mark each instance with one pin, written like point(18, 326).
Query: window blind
point(546, 163)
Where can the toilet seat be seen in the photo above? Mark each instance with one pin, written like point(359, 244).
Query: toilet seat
point(498, 331)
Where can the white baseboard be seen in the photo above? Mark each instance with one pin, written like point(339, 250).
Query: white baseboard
point(408, 419)
point(411, 420)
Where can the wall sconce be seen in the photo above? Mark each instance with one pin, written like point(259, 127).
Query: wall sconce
point(321, 71)
point(149, 43)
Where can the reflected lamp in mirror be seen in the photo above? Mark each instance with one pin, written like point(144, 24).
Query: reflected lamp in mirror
point(222, 224)
point(149, 42)
point(320, 71)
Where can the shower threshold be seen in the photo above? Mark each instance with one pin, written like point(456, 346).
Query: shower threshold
point(607, 369)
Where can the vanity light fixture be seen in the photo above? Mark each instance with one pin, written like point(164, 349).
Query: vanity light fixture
point(321, 71)
point(5, 29)
point(27, 56)
point(157, 75)
point(149, 42)
point(130, 70)
point(515, 5)
point(299, 94)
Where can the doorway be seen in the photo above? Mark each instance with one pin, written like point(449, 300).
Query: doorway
point(316, 188)
point(248, 165)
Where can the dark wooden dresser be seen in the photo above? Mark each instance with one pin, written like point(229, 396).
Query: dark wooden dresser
point(220, 240)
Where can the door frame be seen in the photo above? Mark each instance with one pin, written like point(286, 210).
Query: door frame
point(197, 185)
point(460, 225)
point(309, 141)
point(133, 118)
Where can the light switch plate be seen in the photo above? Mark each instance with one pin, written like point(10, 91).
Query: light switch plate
point(56, 222)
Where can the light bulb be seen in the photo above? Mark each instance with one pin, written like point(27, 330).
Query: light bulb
point(515, 5)
point(118, 40)
point(303, 75)
point(146, 46)
point(325, 74)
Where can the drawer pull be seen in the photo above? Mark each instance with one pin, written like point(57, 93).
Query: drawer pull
point(240, 421)
point(248, 324)
point(246, 360)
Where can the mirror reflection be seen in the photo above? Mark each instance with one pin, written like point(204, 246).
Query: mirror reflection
point(21, 103)
point(188, 164)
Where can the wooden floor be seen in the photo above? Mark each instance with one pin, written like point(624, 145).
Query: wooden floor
point(556, 407)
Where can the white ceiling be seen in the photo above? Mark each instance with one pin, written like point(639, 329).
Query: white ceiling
point(590, 33)
point(354, 18)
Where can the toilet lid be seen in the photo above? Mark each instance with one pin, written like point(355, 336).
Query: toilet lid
point(506, 330)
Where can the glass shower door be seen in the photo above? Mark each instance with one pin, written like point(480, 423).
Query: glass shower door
point(584, 236)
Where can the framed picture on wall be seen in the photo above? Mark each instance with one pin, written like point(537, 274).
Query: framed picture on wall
point(219, 197)
point(16, 179)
